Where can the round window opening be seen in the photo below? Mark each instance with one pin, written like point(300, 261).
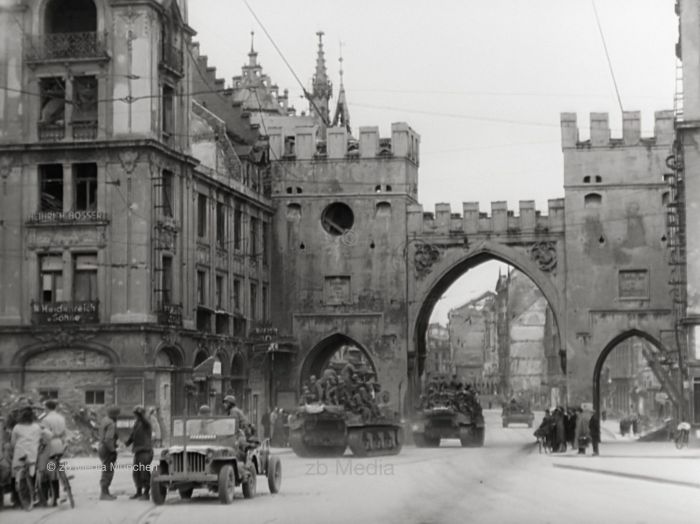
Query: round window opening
point(337, 218)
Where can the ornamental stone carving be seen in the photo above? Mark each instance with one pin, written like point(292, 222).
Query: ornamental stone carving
point(426, 255)
point(544, 254)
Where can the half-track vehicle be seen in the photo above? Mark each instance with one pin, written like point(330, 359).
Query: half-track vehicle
point(210, 452)
point(517, 413)
point(320, 430)
point(444, 421)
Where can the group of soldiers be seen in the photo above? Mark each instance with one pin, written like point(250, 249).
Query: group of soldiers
point(453, 394)
point(355, 392)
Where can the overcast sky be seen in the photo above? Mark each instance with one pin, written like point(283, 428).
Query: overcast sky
point(482, 81)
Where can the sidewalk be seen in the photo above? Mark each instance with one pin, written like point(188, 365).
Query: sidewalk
point(640, 461)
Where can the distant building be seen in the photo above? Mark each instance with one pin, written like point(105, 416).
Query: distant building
point(439, 358)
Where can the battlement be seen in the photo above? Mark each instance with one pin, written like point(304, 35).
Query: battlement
point(302, 144)
point(631, 130)
point(472, 221)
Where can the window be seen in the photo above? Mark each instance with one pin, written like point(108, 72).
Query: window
point(167, 199)
point(253, 300)
point(51, 278)
point(265, 314)
point(337, 218)
point(84, 114)
point(237, 294)
point(85, 277)
point(219, 292)
point(46, 394)
point(167, 284)
point(95, 396)
point(265, 243)
point(168, 112)
point(52, 93)
point(85, 180)
point(221, 225)
point(51, 188)
point(237, 223)
point(201, 215)
point(253, 236)
point(587, 179)
point(592, 200)
point(201, 287)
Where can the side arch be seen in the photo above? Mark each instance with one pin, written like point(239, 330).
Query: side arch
point(319, 357)
point(23, 355)
point(609, 347)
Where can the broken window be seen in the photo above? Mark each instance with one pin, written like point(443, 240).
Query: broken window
point(167, 193)
point(253, 300)
point(221, 225)
point(201, 215)
point(85, 277)
point(51, 188)
point(253, 236)
point(167, 283)
point(85, 176)
point(85, 99)
point(71, 16)
point(51, 268)
point(238, 218)
point(168, 112)
point(52, 93)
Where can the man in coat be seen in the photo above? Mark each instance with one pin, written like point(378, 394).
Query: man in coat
point(141, 440)
point(594, 426)
point(108, 450)
point(583, 431)
point(55, 423)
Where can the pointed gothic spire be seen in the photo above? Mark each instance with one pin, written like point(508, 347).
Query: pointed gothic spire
point(322, 90)
point(342, 113)
point(253, 55)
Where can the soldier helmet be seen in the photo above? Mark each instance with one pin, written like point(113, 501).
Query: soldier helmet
point(139, 410)
point(230, 399)
point(51, 404)
point(204, 409)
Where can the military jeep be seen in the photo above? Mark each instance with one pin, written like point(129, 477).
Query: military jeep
point(210, 453)
point(516, 413)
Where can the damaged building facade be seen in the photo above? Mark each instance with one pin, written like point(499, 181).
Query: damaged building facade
point(135, 219)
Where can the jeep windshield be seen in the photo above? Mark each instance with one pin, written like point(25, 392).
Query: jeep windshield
point(204, 429)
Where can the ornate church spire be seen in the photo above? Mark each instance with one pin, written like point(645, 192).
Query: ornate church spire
point(322, 90)
point(342, 113)
point(253, 55)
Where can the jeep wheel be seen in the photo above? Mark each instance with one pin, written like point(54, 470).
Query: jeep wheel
point(250, 485)
point(158, 489)
point(186, 493)
point(227, 484)
point(274, 474)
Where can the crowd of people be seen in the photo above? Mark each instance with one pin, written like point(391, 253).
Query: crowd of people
point(453, 394)
point(573, 427)
point(276, 427)
point(356, 392)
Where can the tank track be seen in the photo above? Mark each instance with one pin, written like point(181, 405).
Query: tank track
point(301, 449)
point(375, 440)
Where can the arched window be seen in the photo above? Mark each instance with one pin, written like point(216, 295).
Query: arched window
point(293, 212)
point(592, 200)
point(383, 209)
point(598, 178)
point(587, 180)
point(70, 16)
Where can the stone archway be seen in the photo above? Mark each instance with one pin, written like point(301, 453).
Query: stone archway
point(333, 351)
point(450, 266)
point(672, 388)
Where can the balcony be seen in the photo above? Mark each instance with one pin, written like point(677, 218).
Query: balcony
point(86, 312)
point(51, 132)
point(63, 218)
point(172, 58)
point(84, 130)
point(65, 46)
point(170, 315)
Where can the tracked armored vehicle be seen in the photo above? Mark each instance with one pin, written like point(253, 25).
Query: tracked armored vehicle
point(317, 430)
point(438, 422)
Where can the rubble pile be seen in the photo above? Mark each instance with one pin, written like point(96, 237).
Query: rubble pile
point(81, 421)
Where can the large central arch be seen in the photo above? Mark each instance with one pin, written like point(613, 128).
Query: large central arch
point(452, 265)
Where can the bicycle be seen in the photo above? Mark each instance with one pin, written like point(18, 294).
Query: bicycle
point(59, 471)
point(24, 486)
point(682, 435)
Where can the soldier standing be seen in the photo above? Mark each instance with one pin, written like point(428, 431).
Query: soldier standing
point(56, 424)
point(140, 438)
point(108, 451)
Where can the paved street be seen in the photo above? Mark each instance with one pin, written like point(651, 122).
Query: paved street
point(506, 481)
